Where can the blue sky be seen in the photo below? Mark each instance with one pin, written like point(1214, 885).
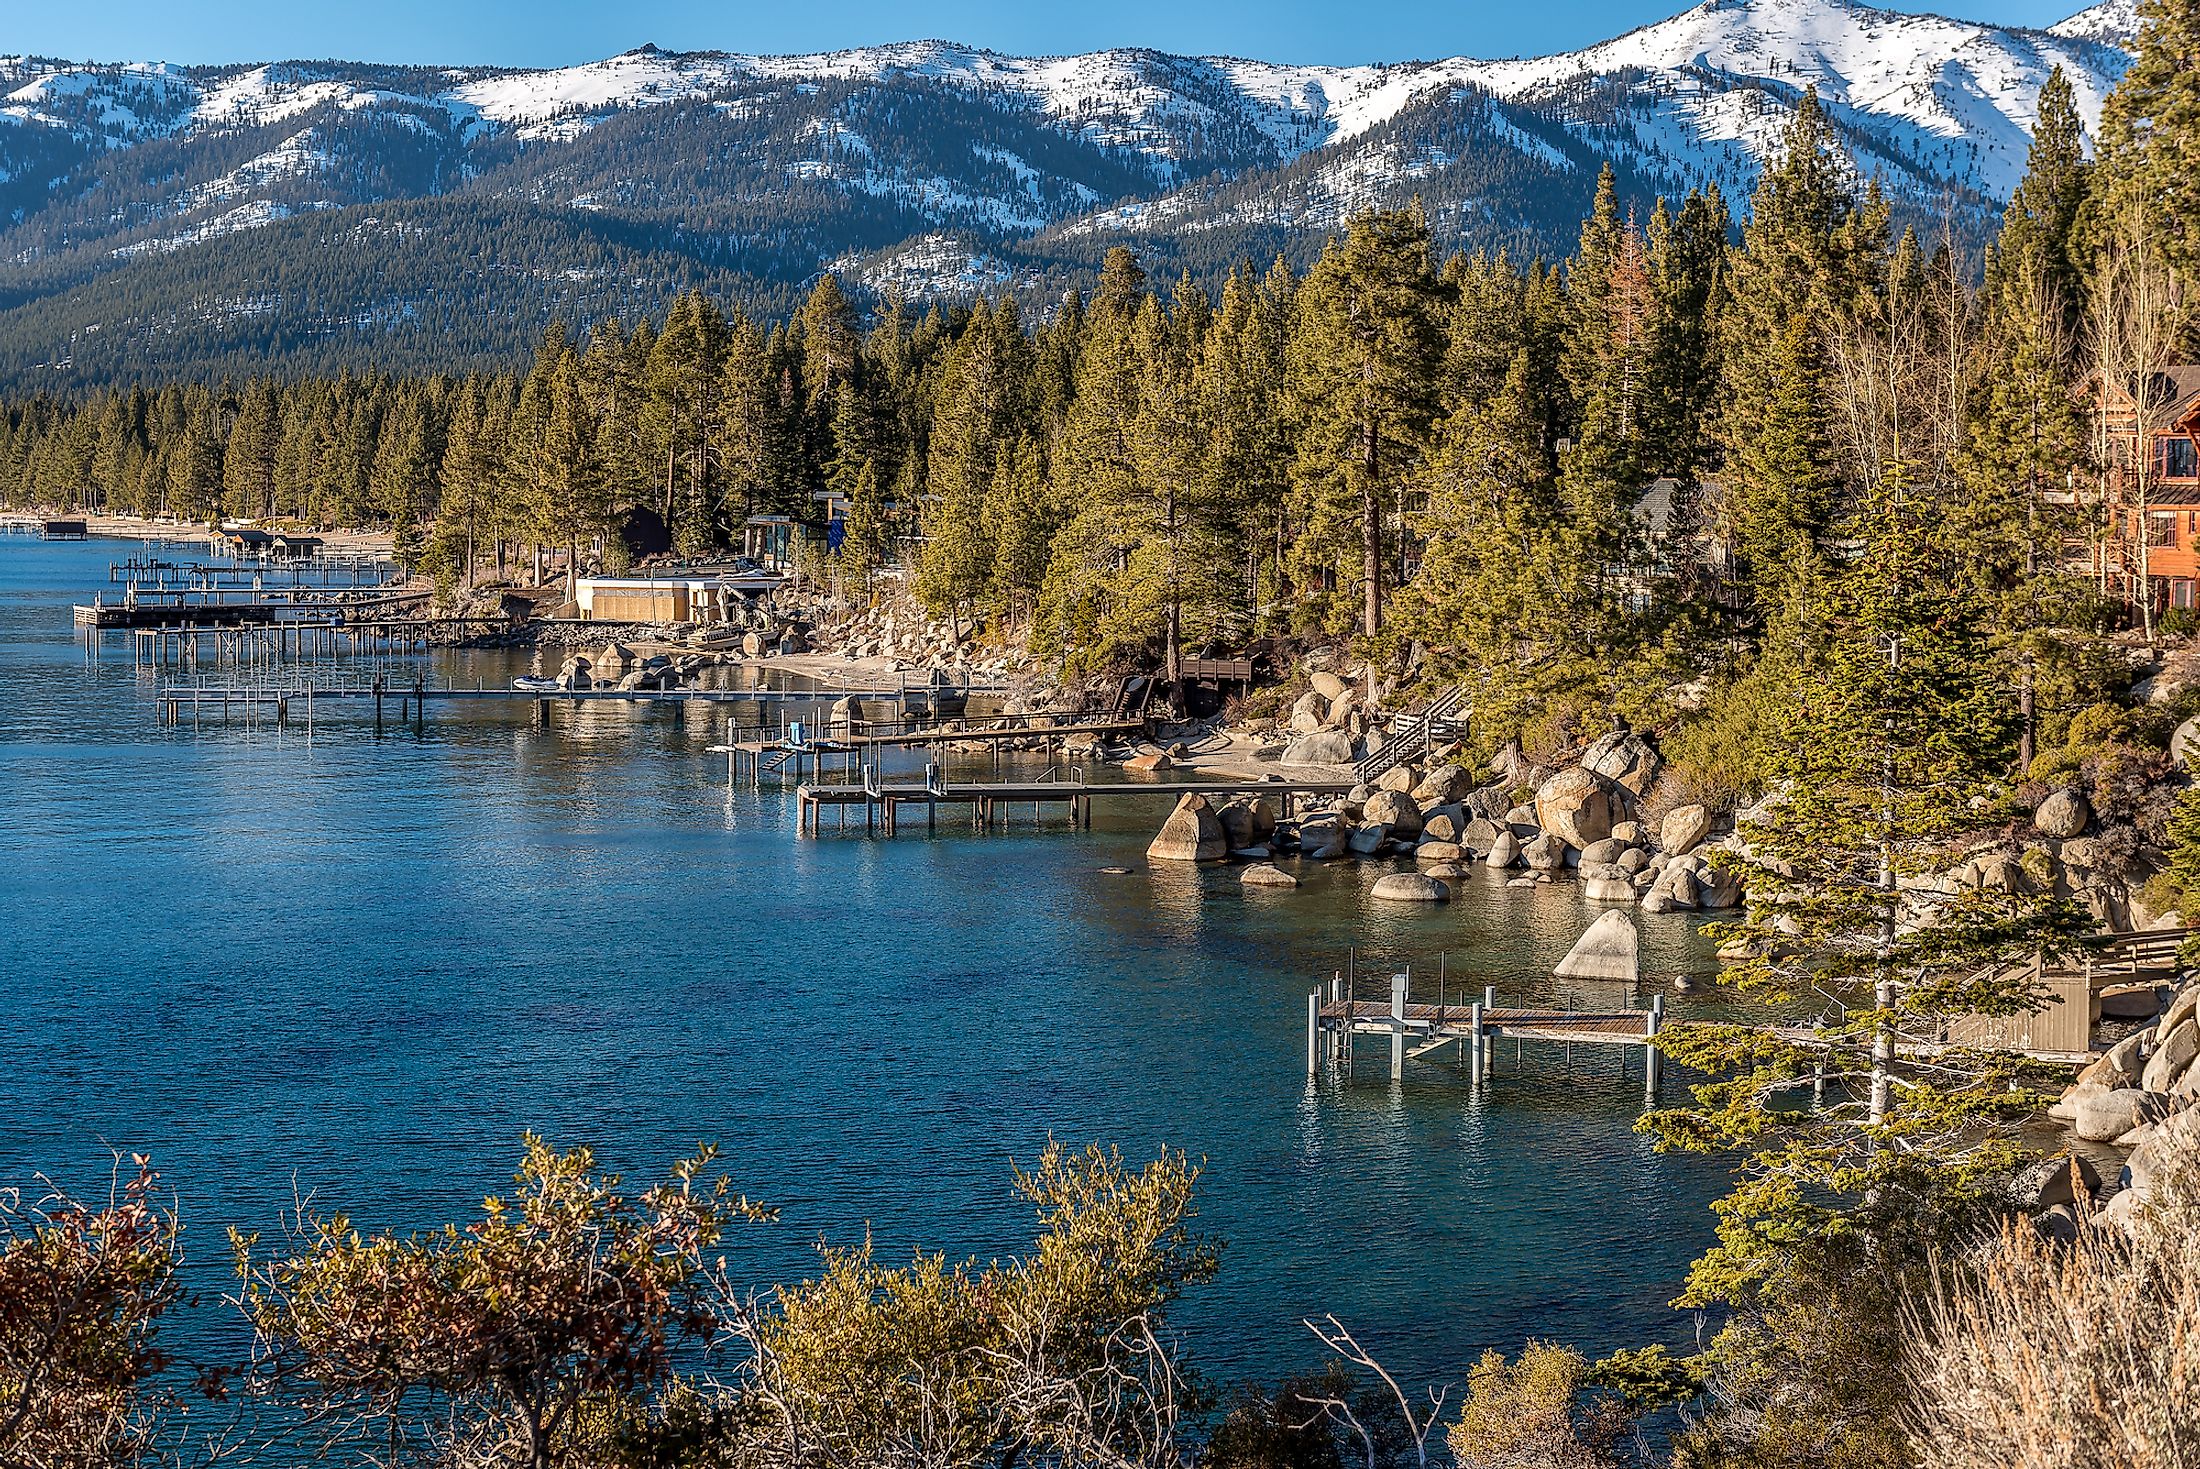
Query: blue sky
point(557, 32)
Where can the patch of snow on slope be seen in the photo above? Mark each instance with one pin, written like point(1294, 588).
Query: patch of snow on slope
point(244, 217)
point(299, 156)
point(932, 264)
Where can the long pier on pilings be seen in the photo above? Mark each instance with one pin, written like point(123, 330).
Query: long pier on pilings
point(848, 747)
point(1336, 1018)
point(284, 703)
point(882, 803)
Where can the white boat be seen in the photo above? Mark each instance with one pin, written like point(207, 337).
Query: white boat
point(535, 684)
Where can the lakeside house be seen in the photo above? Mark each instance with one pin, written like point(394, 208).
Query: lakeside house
point(2148, 552)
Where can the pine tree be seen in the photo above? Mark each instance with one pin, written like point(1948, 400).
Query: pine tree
point(248, 457)
point(1687, 268)
point(2150, 134)
point(2026, 440)
point(980, 407)
point(1890, 729)
point(467, 476)
point(680, 413)
point(1807, 259)
point(1363, 384)
point(1240, 387)
point(1500, 598)
point(867, 535)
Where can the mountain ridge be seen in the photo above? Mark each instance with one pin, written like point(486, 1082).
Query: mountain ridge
point(935, 167)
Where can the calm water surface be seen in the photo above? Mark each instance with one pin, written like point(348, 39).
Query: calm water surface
point(363, 967)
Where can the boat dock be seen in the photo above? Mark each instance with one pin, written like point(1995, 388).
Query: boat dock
point(1334, 1018)
point(189, 703)
point(181, 610)
point(882, 803)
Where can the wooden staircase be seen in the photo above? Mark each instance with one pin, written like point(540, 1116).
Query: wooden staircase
point(1416, 732)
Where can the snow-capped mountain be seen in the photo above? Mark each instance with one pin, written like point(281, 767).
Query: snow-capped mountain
point(2111, 23)
point(130, 190)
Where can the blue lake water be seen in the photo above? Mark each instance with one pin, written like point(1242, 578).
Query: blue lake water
point(363, 967)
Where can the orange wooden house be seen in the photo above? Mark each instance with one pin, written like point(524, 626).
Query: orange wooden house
point(2150, 544)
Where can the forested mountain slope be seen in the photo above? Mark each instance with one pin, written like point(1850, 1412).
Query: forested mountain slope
point(296, 216)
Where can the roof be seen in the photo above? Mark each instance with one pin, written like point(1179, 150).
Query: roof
point(1654, 509)
point(2179, 387)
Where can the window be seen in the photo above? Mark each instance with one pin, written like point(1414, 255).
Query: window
point(2162, 528)
point(2178, 459)
point(2180, 592)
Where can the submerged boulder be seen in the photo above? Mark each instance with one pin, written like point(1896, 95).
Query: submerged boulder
point(1411, 887)
point(1267, 875)
point(1608, 949)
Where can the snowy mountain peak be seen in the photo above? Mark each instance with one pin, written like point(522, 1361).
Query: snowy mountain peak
point(2111, 23)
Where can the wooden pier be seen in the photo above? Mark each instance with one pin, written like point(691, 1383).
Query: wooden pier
point(854, 741)
point(882, 802)
point(183, 610)
point(1417, 1028)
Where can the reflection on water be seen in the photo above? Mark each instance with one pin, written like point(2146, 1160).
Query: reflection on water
point(366, 964)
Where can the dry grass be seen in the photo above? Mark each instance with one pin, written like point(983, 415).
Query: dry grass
point(2071, 1356)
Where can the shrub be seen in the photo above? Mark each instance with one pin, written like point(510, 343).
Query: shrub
point(82, 1293)
point(2070, 1357)
point(1537, 1413)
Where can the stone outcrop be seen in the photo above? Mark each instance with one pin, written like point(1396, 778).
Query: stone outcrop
point(1683, 830)
point(2173, 1055)
point(1396, 810)
point(1191, 834)
point(1267, 875)
point(1576, 806)
point(1328, 685)
point(2063, 814)
point(1625, 759)
point(1322, 747)
point(1503, 851)
point(1442, 786)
